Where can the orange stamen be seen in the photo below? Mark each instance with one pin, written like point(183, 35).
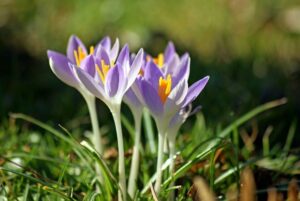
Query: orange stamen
point(164, 87)
point(79, 54)
point(103, 71)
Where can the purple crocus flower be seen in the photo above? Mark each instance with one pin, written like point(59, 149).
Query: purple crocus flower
point(112, 79)
point(110, 83)
point(164, 94)
point(78, 56)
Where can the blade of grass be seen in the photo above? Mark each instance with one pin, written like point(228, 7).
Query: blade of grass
point(128, 126)
point(290, 136)
point(149, 131)
point(252, 114)
point(202, 155)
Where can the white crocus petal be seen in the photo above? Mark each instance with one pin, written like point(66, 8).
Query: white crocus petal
point(114, 51)
point(135, 68)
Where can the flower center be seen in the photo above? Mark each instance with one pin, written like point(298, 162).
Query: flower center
point(102, 72)
point(79, 54)
point(164, 87)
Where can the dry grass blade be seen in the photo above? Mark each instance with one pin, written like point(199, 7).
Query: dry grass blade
point(272, 194)
point(293, 191)
point(248, 188)
point(155, 198)
point(203, 192)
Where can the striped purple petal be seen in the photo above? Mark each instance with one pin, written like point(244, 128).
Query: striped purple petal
point(152, 74)
point(88, 65)
point(73, 44)
point(102, 54)
point(169, 52)
point(112, 81)
point(151, 99)
point(182, 71)
point(105, 43)
point(135, 67)
point(90, 84)
point(124, 55)
point(195, 90)
point(59, 64)
point(132, 100)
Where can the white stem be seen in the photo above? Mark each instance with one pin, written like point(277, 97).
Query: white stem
point(160, 154)
point(116, 112)
point(96, 138)
point(172, 165)
point(134, 168)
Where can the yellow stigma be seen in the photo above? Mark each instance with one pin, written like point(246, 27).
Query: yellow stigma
point(102, 72)
point(164, 87)
point(159, 60)
point(79, 54)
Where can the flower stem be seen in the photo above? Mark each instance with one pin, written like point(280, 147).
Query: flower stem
point(150, 132)
point(96, 138)
point(97, 141)
point(116, 112)
point(172, 165)
point(160, 154)
point(134, 168)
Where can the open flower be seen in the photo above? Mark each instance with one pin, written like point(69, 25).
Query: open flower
point(165, 95)
point(110, 83)
point(112, 79)
point(78, 56)
point(169, 61)
point(164, 92)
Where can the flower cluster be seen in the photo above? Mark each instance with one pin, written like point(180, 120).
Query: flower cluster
point(159, 84)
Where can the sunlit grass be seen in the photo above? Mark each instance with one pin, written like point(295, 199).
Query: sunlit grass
point(40, 162)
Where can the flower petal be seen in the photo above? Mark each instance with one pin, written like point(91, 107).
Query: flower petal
point(105, 43)
point(88, 65)
point(124, 55)
point(175, 98)
point(152, 74)
point(112, 81)
point(73, 44)
point(179, 92)
point(169, 52)
point(114, 51)
point(59, 64)
point(195, 90)
point(135, 68)
point(137, 89)
point(132, 100)
point(151, 99)
point(102, 54)
point(90, 84)
point(183, 70)
point(172, 65)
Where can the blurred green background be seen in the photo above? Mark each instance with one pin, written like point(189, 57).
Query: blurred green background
point(250, 48)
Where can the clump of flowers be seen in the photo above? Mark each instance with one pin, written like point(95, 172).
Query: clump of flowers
point(158, 84)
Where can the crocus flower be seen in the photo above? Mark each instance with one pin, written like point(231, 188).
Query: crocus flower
point(164, 95)
point(110, 83)
point(112, 79)
point(77, 56)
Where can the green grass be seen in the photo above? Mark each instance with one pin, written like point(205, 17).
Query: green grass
point(40, 162)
